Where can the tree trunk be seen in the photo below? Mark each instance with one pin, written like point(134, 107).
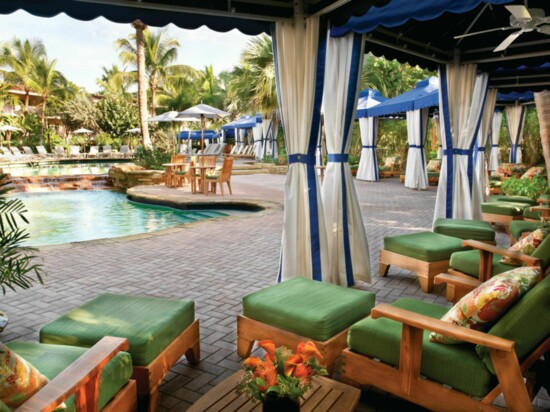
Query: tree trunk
point(27, 97)
point(542, 100)
point(153, 87)
point(142, 82)
point(43, 124)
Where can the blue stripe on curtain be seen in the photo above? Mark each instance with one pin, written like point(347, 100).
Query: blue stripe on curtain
point(514, 139)
point(311, 174)
point(471, 159)
point(374, 156)
point(448, 140)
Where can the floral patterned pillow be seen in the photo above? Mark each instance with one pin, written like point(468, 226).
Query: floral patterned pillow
point(434, 165)
point(390, 161)
point(505, 169)
point(484, 305)
point(526, 246)
point(19, 380)
point(532, 172)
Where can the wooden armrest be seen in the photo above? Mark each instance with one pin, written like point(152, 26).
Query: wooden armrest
point(75, 378)
point(540, 200)
point(476, 244)
point(435, 325)
point(456, 280)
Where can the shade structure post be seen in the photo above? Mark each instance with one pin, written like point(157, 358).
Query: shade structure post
point(437, 128)
point(481, 142)
point(542, 101)
point(515, 118)
point(299, 57)
point(349, 258)
point(494, 152)
point(257, 133)
point(416, 174)
point(462, 95)
point(368, 162)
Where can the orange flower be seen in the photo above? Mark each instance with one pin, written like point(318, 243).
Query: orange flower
point(302, 371)
point(291, 363)
point(269, 347)
point(308, 350)
point(253, 362)
point(266, 371)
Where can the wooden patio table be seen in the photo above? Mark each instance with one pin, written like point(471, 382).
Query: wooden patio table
point(326, 395)
point(172, 168)
point(203, 169)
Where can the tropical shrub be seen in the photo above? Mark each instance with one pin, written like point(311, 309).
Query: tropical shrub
point(116, 115)
point(151, 158)
point(532, 187)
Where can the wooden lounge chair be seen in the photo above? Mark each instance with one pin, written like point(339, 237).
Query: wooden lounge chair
point(390, 350)
point(115, 393)
point(392, 167)
point(468, 269)
point(221, 177)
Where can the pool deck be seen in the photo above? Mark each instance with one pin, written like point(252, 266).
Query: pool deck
point(215, 262)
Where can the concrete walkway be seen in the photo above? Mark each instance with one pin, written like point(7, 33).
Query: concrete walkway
point(214, 263)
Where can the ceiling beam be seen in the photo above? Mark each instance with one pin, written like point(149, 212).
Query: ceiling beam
point(189, 10)
point(405, 50)
point(331, 7)
point(512, 85)
point(528, 76)
point(543, 53)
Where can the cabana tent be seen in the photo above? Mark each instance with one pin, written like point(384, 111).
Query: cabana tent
point(368, 126)
point(196, 135)
point(239, 128)
point(416, 104)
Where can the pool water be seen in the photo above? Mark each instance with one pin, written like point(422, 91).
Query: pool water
point(61, 169)
point(74, 216)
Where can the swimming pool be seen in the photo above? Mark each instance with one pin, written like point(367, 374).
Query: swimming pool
point(61, 169)
point(74, 216)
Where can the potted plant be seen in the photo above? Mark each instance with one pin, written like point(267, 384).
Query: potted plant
point(282, 377)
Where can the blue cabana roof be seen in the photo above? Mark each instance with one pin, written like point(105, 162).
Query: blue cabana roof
point(516, 96)
point(368, 98)
point(196, 134)
point(425, 94)
point(398, 12)
point(245, 122)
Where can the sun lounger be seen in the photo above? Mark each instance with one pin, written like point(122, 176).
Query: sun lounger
point(20, 156)
point(125, 151)
point(28, 151)
point(7, 155)
point(43, 152)
point(107, 152)
point(59, 151)
point(93, 152)
point(74, 151)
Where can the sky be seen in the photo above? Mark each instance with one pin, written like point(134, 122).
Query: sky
point(82, 48)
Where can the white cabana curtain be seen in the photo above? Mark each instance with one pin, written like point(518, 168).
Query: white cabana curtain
point(515, 116)
point(347, 241)
point(416, 174)
point(273, 149)
point(267, 125)
point(494, 152)
point(461, 99)
point(257, 132)
point(437, 128)
point(368, 163)
point(479, 155)
point(298, 51)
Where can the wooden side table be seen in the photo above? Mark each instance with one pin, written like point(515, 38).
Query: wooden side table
point(326, 395)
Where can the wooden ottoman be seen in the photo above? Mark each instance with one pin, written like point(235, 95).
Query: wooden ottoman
point(159, 332)
point(425, 253)
point(300, 310)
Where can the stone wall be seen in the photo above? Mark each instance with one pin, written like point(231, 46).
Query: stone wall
point(129, 175)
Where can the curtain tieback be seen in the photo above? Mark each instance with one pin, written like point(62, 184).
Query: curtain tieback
point(416, 146)
point(480, 149)
point(369, 147)
point(494, 145)
point(338, 157)
point(301, 158)
point(460, 152)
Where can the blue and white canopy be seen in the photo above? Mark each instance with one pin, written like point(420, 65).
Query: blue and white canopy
point(425, 94)
point(245, 122)
point(368, 98)
point(196, 134)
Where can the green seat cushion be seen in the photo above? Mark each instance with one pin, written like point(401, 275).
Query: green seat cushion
point(494, 178)
point(308, 308)
point(465, 229)
point(51, 360)
point(467, 262)
point(213, 176)
point(513, 199)
point(518, 227)
point(182, 172)
point(495, 183)
point(542, 252)
point(454, 365)
point(504, 208)
point(149, 324)
point(527, 323)
point(433, 174)
point(425, 246)
point(384, 168)
point(532, 214)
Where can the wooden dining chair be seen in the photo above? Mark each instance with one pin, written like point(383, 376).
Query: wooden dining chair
point(221, 177)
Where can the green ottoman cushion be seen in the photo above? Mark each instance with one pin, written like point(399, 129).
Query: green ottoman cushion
point(149, 324)
point(532, 214)
point(513, 199)
point(467, 262)
point(51, 360)
point(454, 365)
point(518, 227)
point(527, 323)
point(465, 229)
point(425, 246)
point(384, 168)
point(542, 252)
point(504, 208)
point(308, 308)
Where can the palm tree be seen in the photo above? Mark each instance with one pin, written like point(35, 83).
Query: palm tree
point(180, 88)
point(19, 58)
point(212, 93)
point(48, 82)
point(115, 81)
point(160, 52)
point(252, 85)
point(542, 100)
point(142, 88)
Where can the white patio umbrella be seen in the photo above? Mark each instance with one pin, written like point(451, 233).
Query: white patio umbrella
point(135, 130)
point(202, 112)
point(172, 117)
point(8, 129)
point(83, 131)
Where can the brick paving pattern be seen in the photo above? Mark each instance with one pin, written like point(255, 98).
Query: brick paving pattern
point(214, 263)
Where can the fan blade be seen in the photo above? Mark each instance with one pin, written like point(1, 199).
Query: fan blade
point(519, 12)
point(482, 32)
point(544, 29)
point(508, 41)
